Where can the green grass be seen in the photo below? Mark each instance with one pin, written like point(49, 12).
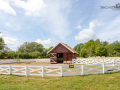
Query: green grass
point(90, 82)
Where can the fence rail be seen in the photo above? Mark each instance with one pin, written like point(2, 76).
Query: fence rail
point(60, 70)
point(88, 61)
point(23, 60)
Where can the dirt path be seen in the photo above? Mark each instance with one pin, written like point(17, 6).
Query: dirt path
point(35, 64)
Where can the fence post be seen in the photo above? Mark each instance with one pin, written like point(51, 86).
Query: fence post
point(61, 69)
point(119, 66)
point(94, 61)
point(42, 71)
point(10, 70)
point(103, 68)
point(87, 61)
point(72, 61)
point(114, 62)
point(26, 68)
point(82, 69)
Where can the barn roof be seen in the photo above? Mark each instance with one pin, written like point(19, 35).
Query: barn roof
point(66, 46)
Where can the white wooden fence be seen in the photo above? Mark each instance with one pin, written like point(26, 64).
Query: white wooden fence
point(24, 60)
point(60, 70)
point(88, 61)
point(16, 61)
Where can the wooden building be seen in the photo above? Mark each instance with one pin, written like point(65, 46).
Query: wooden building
point(61, 53)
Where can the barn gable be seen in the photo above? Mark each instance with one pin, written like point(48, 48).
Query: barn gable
point(61, 47)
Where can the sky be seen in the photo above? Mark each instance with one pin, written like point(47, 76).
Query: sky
point(49, 22)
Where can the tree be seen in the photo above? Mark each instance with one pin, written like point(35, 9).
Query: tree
point(11, 54)
point(83, 52)
point(78, 47)
point(110, 50)
point(31, 47)
point(88, 44)
point(89, 47)
point(2, 55)
point(104, 43)
point(89, 51)
point(2, 43)
point(101, 51)
point(48, 55)
point(93, 49)
point(49, 48)
point(6, 49)
point(97, 41)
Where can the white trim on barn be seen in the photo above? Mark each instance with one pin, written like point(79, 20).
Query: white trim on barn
point(63, 45)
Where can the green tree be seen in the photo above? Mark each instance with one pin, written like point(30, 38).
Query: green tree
point(104, 43)
point(83, 52)
point(97, 42)
point(31, 47)
point(89, 47)
point(48, 55)
point(2, 43)
point(2, 55)
point(110, 50)
point(49, 48)
point(101, 51)
point(89, 51)
point(78, 47)
point(88, 44)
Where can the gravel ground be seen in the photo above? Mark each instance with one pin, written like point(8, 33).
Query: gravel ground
point(35, 64)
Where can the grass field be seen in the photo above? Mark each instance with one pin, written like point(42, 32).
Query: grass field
point(90, 82)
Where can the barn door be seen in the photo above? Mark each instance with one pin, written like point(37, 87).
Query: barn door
point(53, 57)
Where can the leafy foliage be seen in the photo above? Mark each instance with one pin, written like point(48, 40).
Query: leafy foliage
point(83, 52)
point(2, 43)
point(102, 51)
point(98, 48)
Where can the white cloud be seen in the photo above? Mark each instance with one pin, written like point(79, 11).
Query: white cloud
point(0, 35)
point(111, 30)
point(8, 24)
point(95, 23)
point(87, 34)
point(4, 5)
point(78, 27)
point(31, 7)
point(46, 43)
point(57, 15)
point(54, 14)
point(10, 41)
point(113, 37)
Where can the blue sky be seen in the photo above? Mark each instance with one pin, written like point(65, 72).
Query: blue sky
point(52, 21)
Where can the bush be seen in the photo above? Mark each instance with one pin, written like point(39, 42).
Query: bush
point(39, 57)
point(48, 56)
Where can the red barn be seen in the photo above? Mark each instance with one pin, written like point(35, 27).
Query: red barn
point(61, 53)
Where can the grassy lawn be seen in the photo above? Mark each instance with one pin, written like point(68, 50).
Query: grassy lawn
point(90, 82)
